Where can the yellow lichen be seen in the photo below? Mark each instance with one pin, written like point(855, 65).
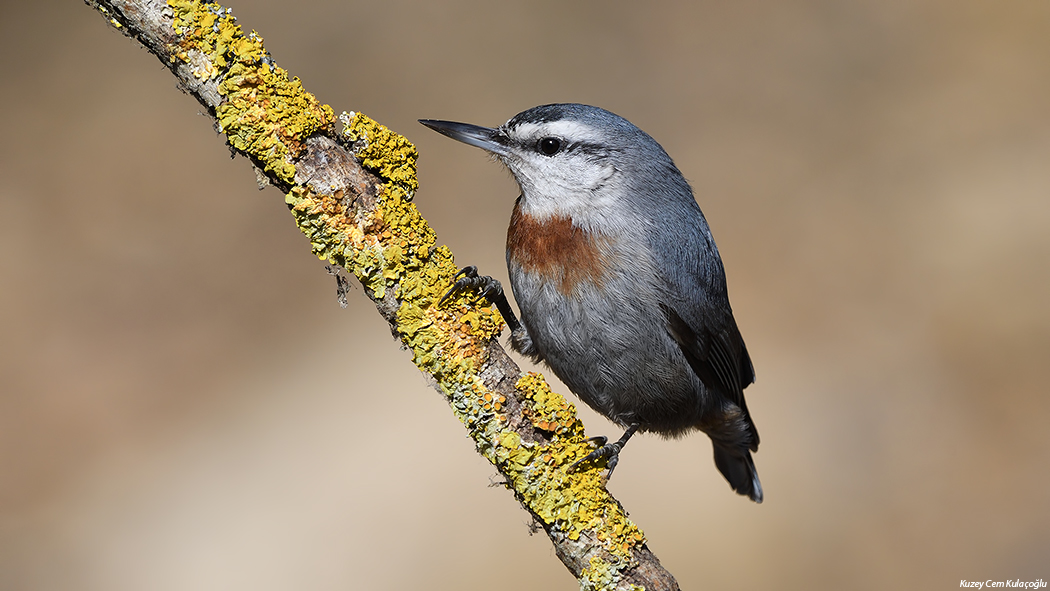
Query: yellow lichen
point(571, 502)
point(269, 116)
point(600, 575)
point(386, 153)
point(547, 411)
point(264, 113)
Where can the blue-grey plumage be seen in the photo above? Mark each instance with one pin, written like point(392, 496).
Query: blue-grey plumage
point(618, 280)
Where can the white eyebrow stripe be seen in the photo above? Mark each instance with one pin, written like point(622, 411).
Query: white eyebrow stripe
point(569, 130)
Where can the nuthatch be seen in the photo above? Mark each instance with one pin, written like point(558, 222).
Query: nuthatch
point(619, 282)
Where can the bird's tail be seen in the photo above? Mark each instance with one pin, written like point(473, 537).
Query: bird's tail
point(739, 470)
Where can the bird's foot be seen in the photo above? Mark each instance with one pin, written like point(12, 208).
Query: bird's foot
point(486, 288)
point(609, 451)
point(468, 280)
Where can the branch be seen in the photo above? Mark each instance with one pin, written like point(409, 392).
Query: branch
point(350, 192)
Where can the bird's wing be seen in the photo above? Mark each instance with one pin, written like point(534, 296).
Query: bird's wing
point(696, 304)
point(719, 357)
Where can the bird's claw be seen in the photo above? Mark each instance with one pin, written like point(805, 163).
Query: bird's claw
point(468, 280)
point(609, 451)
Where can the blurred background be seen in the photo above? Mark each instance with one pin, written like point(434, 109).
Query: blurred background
point(184, 405)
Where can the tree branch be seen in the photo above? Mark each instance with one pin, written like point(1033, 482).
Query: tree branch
point(350, 192)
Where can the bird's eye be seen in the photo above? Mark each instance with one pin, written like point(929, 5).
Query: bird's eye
point(549, 145)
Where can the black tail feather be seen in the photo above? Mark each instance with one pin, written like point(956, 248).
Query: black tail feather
point(740, 471)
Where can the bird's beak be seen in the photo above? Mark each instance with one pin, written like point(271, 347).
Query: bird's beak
point(486, 138)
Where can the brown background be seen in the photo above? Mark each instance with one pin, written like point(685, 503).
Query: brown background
point(183, 404)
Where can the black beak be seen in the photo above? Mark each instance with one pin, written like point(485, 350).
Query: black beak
point(485, 138)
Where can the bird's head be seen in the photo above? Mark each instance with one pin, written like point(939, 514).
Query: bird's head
point(570, 160)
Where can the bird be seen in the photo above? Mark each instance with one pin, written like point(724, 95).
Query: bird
point(620, 286)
